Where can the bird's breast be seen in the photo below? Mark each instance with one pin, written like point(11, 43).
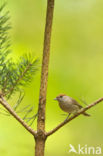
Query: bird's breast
point(68, 107)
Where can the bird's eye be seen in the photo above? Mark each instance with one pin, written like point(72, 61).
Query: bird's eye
point(61, 96)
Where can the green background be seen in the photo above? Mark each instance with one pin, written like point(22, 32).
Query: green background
point(76, 69)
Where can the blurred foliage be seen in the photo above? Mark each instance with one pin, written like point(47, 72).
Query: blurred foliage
point(75, 69)
point(12, 75)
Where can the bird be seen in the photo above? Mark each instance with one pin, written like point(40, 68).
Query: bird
point(69, 105)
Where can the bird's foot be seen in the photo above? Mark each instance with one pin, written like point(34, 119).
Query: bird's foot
point(68, 116)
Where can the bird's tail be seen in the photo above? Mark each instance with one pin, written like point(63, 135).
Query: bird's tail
point(86, 114)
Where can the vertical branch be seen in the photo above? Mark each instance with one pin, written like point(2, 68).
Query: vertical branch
point(41, 137)
point(45, 64)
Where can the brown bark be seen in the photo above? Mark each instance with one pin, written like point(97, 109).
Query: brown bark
point(40, 138)
point(45, 64)
point(39, 147)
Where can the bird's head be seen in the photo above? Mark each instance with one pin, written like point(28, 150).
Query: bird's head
point(61, 98)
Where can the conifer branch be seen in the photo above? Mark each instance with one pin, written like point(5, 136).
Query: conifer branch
point(13, 75)
point(21, 96)
point(21, 74)
point(14, 114)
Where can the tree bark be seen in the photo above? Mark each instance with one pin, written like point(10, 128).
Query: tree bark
point(39, 147)
point(41, 136)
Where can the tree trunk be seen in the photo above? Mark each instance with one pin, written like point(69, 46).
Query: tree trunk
point(41, 137)
point(39, 147)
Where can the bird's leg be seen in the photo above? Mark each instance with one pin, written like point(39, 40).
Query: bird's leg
point(68, 116)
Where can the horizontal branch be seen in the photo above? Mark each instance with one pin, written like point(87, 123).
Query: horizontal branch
point(73, 117)
point(14, 114)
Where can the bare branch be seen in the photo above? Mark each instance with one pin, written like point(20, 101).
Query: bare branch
point(73, 117)
point(13, 113)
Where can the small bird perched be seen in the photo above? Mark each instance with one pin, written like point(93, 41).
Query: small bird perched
point(69, 105)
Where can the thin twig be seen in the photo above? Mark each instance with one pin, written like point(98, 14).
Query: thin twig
point(13, 113)
point(73, 117)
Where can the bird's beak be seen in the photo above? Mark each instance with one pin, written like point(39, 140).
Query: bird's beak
point(55, 99)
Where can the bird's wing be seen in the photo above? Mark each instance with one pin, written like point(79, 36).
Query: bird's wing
point(76, 103)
